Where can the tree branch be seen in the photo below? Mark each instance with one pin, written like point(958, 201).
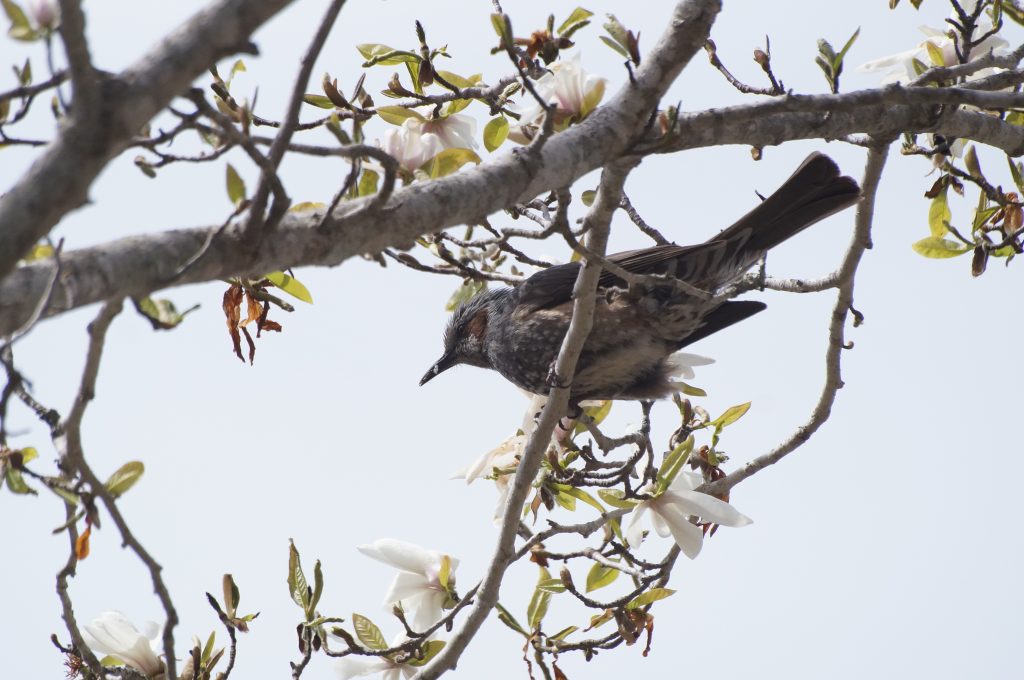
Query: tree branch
point(59, 180)
point(836, 339)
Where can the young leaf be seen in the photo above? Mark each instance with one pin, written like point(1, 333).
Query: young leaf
point(614, 498)
point(551, 585)
point(495, 132)
point(939, 214)
point(430, 650)
point(579, 15)
point(124, 478)
point(290, 285)
point(506, 617)
point(448, 161)
point(368, 633)
point(652, 595)
point(236, 185)
point(538, 607)
point(397, 115)
point(600, 576)
point(297, 586)
point(937, 247)
point(731, 415)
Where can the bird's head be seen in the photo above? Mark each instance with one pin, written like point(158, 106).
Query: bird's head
point(464, 337)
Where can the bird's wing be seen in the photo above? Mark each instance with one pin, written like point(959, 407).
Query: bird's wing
point(553, 286)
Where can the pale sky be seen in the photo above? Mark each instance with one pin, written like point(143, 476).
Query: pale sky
point(887, 547)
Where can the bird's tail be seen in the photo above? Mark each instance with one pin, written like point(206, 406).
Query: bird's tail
point(812, 193)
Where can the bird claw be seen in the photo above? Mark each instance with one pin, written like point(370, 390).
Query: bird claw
point(552, 379)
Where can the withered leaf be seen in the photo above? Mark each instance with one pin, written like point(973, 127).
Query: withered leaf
point(231, 305)
point(82, 543)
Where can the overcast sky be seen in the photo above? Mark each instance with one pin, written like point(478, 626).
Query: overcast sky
point(889, 546)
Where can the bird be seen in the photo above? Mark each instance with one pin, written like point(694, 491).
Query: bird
point(677, 297)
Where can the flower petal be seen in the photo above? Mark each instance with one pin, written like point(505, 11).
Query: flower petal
point(400, 555)
point(688, 536)
point(708, 508)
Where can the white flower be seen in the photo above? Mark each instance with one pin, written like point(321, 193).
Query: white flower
point(681, 364)
point(457, 131)
point(418, 584)
point(358, 666)
point(46, 13)
point(410, 145)
point(670, 514)
point(573, 91)
point(899, 67)
point(114, 635)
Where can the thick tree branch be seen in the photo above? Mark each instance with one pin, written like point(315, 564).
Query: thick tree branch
point(59, 180)
point(836, 337)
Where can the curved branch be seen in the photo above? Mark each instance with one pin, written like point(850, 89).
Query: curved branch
point(836, 339)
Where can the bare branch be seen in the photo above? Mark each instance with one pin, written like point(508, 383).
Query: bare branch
point(836, 342)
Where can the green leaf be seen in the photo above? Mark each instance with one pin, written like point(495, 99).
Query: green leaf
point(125, 478)
point(448, 161)
point(838, 61)
point(236, 185)
point(971, 161)
point(20, 28)
point(1015, 172)
point(464, 293)
point(566, 500)
point(382, 55)
point(538, 607)
point(367, 183)
point(368, 633)
point(578, 15)
point(318, 589)
point(673, 463)
point(505, 616)
point(600, 576)
point(397, 115)
point(939, 214)
point(307, 205)
point(581, 495)
point(551, 585)
point(615, 498)
point(297, 586)
point(614, 45)
point(689, 390)
point(28, 454)
point(587, 197)
point(939, 248)
point(16, 482)
point(161, 314)
point(731, 415)
point(564, 633)
point(652, 595)
point(290, 285)
point(495, 132)
point(318, 100)
point(430, 649)
point(232, 596)
point(70, 497)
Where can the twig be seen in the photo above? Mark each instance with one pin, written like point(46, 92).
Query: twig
point(68, 440)
point(257, 222)
point(32, 90)
point(833, 356)
point(641, 224)
point(67, 609)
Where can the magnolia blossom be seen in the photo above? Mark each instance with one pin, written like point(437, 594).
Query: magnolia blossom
point(46, 13)
point(671, 511)
point(410, 145)
point(457, 131)
point(573, 91)
point(681, 364)
point(417, 585)
point(899, 67)
point(358, 666)
point(114, 635)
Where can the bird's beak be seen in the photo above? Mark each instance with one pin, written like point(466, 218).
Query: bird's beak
point(442, 365)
